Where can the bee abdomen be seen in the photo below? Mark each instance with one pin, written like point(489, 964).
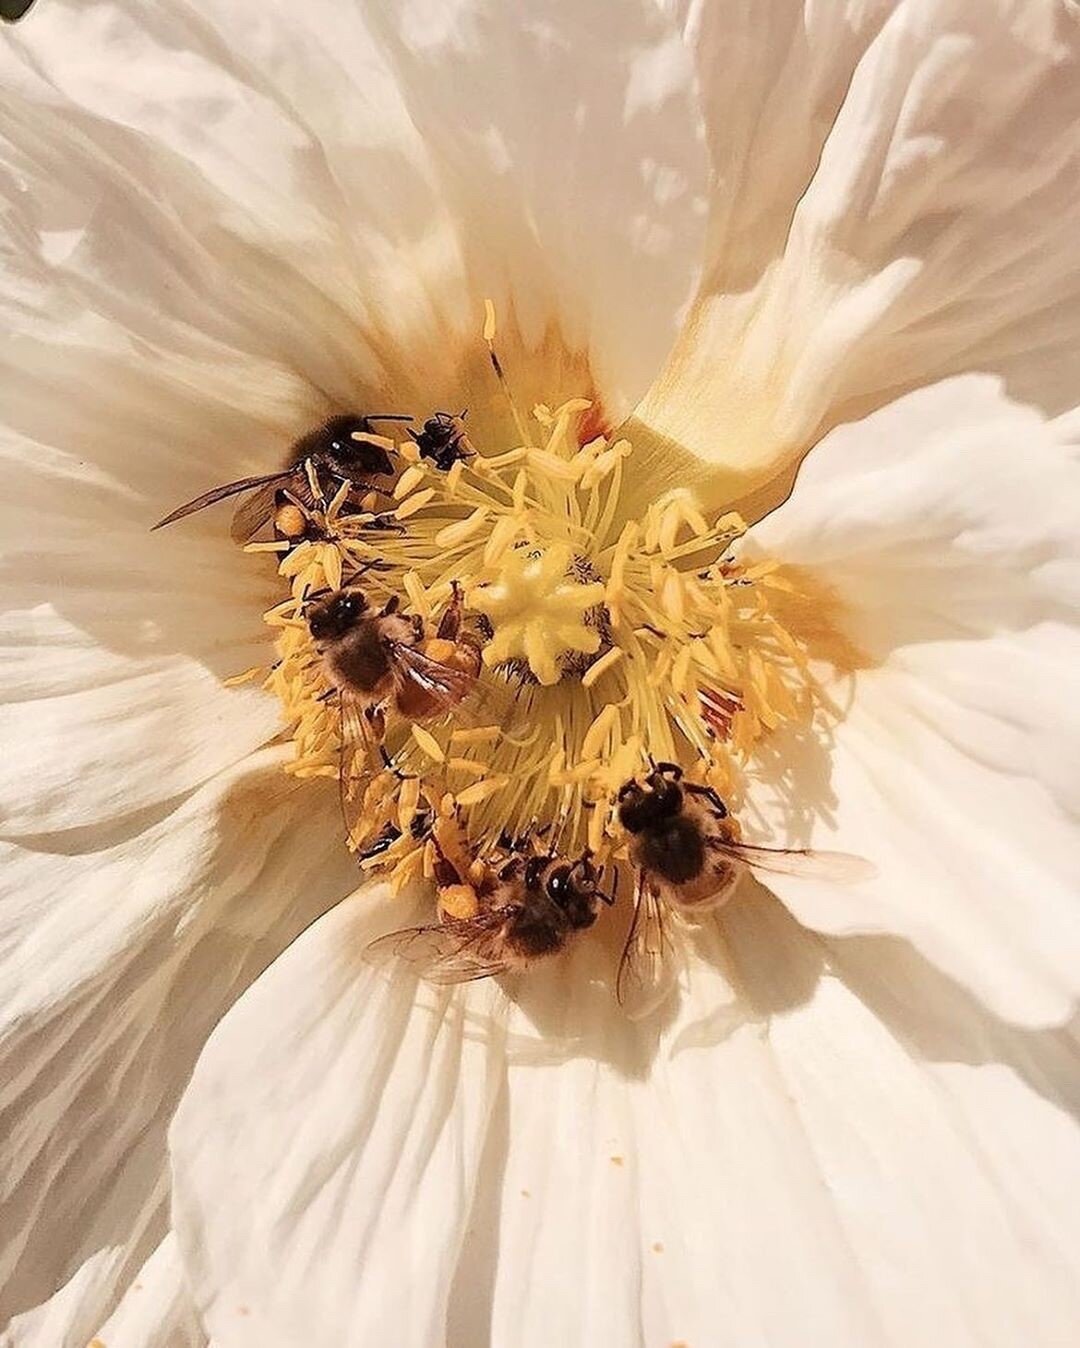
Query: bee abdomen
point(675, 850)
point(360, 661)
point(532, 935)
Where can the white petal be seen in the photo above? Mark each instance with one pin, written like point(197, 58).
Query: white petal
point(353, 1165)
point(388, 1111)
point(335, 189)
point(115, 963)
point(949, 524)
point(879, 221)
point(112, 653)
point(156, 1310)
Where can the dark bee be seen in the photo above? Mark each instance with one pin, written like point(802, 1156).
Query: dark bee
point(443, 441)
point(335, 456)
point(528, 908)
point(684, 846)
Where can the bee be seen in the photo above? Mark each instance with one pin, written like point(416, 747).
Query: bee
point(442, 439)
point(384, 660)
point(333, 453)
point(688, 860)
point(528, 908)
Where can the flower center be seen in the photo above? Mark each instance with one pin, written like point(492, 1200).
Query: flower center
point(544, 609)
point(606, 642)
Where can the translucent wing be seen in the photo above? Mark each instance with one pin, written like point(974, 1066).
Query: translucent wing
point(841, 867)
point(452, 951)
point(258, 510)
point(444, 684)
point(648, 965)
point(358, 760)
point(212, 497)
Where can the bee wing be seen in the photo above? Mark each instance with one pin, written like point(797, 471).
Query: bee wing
point(452, 951)
point(841, 867)
point(257, 510)
point(216, 494)
point(445, 684)
point(647, 968)
point(358, 757)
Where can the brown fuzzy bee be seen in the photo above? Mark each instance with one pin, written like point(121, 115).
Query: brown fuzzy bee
point(380, 661)
point(529, 907)
point(335, 456)
point(688, 860)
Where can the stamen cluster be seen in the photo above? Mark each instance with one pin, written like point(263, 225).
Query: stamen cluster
point(608, 642)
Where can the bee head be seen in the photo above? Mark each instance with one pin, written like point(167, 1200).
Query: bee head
point(571, 887)
point(349, 458)
point(336, 614)
point(644, 804)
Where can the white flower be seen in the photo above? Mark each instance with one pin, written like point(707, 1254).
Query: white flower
point(848, 223)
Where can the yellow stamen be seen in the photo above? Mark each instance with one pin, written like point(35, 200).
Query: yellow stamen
point(428, 743)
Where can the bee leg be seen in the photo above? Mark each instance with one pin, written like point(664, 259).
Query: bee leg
point(711, 795)
point(450, 622)
point(391, 606)
point(382, 843)
point(387, 524)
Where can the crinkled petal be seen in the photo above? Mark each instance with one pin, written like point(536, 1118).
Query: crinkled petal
point(853, 1145)
point(948, 524)
point(156, 1310)
point(334, 189)
point(896, 198)
point(117, 957)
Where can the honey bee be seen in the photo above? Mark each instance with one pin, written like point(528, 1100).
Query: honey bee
point(688, 860)
point(529, 908)
point(442, 439)
point(333, 453)
point(384, 660)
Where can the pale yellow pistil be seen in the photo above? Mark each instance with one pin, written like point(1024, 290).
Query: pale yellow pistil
point(537, 610)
